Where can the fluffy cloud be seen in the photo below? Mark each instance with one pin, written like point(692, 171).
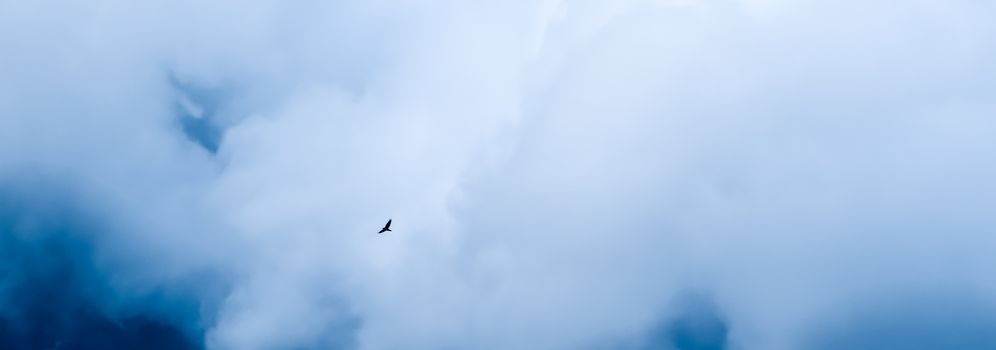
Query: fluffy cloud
point(561, 174)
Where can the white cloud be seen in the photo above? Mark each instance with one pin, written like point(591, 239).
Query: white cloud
point(556, 171)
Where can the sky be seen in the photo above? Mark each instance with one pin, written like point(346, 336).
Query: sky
point(570, 174)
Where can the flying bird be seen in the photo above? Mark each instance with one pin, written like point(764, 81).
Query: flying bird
point(386, 227)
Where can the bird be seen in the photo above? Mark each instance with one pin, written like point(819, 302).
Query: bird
point(387, 227)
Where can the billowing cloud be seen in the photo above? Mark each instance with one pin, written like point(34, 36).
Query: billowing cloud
point(561, 174)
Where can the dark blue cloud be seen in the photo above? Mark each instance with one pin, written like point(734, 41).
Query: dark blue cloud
point(694, 322)
point(910, 321)
point(697, 325)
point(55, 292)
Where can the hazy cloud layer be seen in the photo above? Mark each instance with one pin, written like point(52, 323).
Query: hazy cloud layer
point(561, 174)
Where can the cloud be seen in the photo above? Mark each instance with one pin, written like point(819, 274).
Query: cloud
point(561, 174)
point(56, 292)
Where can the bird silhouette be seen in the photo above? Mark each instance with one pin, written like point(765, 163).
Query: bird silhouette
point(386, 227)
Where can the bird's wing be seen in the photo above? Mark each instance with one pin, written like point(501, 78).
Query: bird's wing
point(388, 224)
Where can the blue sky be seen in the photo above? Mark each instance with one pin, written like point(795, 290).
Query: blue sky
point(711, 174)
